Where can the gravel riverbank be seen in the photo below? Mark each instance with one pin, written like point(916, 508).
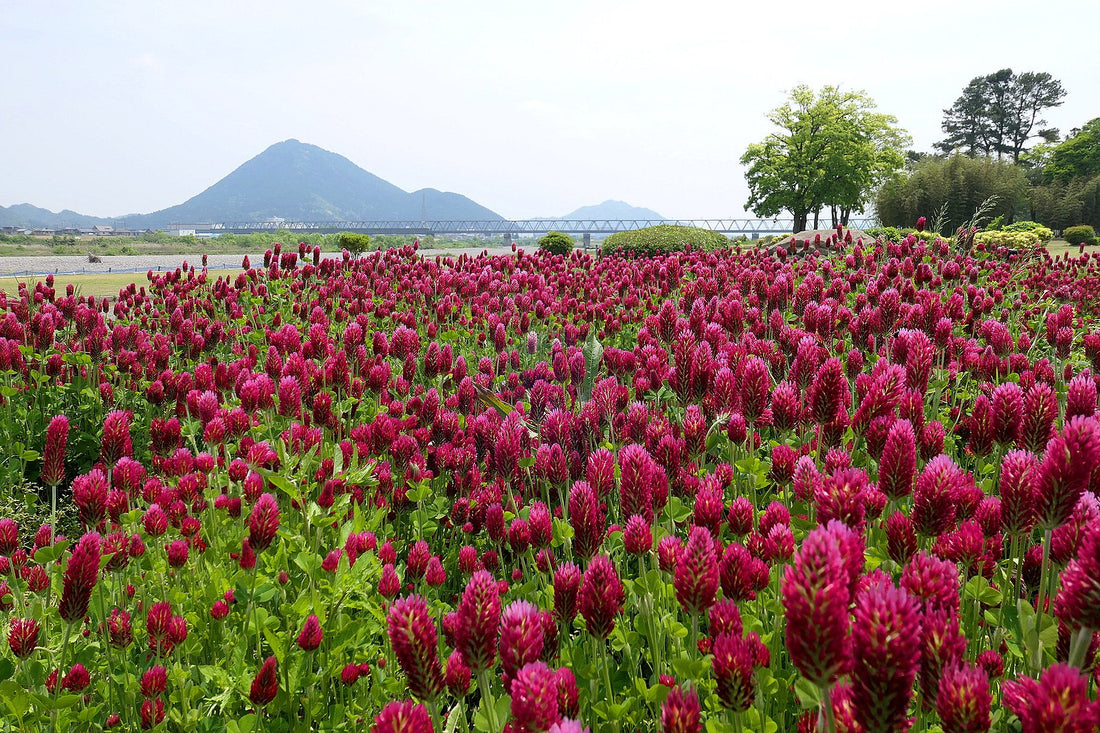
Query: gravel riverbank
point(79, 265)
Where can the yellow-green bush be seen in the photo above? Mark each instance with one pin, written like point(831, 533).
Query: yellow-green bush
point(1002, 238)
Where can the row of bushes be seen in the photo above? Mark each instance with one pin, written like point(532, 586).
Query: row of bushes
point(660, 239)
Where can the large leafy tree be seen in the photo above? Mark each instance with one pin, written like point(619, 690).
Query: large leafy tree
point(831, 150)
point(997, 114)
point(1078, 155)
point(1067, 178)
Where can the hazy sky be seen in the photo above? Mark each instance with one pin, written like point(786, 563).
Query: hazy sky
point(529, 108)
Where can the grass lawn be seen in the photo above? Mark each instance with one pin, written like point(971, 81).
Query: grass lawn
point(1057, 247)
point(97, 284)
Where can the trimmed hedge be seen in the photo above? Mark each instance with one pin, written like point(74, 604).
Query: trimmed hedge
point(1083, 234)
point(556, 243)
point(663, 239)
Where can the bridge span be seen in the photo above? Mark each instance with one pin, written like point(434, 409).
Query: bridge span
point(751, 228)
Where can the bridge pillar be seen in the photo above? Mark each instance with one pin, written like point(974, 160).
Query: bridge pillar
point(588, 240)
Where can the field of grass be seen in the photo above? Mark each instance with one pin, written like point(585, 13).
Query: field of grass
point(1057, 247)
point(97, 284)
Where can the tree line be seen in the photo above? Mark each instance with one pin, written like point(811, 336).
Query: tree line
point(832, 154)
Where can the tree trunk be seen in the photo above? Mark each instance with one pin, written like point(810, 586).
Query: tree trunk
point(845, 215)
point(799, 221)
point(832, 214)
point(817, 218)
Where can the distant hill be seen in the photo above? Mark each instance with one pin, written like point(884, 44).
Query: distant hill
point(25, 215)
point(290, 180)
point(613, 210)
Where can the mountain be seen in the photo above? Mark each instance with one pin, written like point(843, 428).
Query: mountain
point(290, 180)
point(443, 206)
point(614, 210)
point(301, 182)
point(25, 215)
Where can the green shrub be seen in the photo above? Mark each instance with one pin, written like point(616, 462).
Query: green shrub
point(556, 243)
point(896, 234)
point(663, 239)
point(353, 242)
point(1083, 234)
point(888, 234)
point(1007, 238)
point(1040, 231)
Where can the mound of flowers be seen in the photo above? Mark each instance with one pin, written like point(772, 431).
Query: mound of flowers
point(844, 491)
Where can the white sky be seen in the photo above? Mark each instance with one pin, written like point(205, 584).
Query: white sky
point(529, 108)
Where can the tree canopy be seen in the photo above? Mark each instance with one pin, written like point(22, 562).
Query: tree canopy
point(1076, 156)
point(831, 150)
point(997, 114)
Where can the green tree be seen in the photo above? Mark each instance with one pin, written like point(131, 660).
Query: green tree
point(1076, 156)
point(354, 242)
point(997, 114)
point(959, 183)
point(830, 151)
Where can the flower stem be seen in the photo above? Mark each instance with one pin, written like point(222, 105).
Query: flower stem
point(252, 611)
point(433, 708)
point(1044, 572)
point(827, 707)
point(607, 677)
point(61, 668)
point(487, 699)
point(1079, 647)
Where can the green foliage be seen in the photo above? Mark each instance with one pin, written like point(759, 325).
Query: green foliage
point(663, 239)
point(1043, 233)
point(556, 243)
point(896, 234)
point(29, 506)
point(958, 185)
point(354, 242)
point(1005, 238)
point(998, 113)
point(888, 234)
point(1077, 156)
point(830, 151)
point(1063, 204)
point(1083, 234)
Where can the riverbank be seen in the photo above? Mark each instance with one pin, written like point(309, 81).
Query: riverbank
point(32, 266)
